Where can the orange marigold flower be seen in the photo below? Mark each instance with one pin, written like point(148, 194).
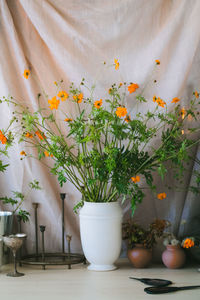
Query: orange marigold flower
point(196, 94)
point(175, 100)
point(160, 102)
point(78, 98)
point(63, 95)
point(98, 103)
point(157, 61)
point(28, 135)
point(40, 134)
point(116, 64)
point(135, 179)
point(54, 103)
point(188, 243)
point(121, 111)
point(23, 153)
point(68, 120)
point(133, 87)
point(26, 73)
point(154, 98)
point(161, 196)
point(3, 139)
point(127, 119)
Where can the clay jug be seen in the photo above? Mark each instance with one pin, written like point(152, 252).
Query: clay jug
point(173, 257)
point(140, 256)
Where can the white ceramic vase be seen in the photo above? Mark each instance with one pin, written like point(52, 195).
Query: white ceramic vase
point(101, 234)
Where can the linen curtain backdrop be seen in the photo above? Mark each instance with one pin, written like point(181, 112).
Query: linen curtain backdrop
point(69, 40)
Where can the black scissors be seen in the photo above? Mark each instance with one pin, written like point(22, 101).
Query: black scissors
point(153, 281)
point(168, 289)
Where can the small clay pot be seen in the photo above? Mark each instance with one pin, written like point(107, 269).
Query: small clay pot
point(139, 256)
point(174, 257)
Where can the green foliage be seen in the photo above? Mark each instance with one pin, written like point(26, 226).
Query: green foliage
point(101, 152)
point(18, 199)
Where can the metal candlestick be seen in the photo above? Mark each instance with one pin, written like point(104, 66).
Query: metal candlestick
point(35, 205)
point(62, 196)
point(61, 258)
point(42, 229)
point(69, 237)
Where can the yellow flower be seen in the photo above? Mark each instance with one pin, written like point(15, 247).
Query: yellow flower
point(26, 73)
point(78, 98)
point(54, 103)
point(188, 243)
point(196, 94)
point(68, 120)
point(157, 62)
point(116, 64)
point(120, 84)
point(161, 196)
point(121, 111)
point(23, 153)
point(160, 102)
point(63, 95)
point(29, 135)
point(132, 87)
point(135, 179)
point(175, 100)
point(110, 91)
point(98, 103)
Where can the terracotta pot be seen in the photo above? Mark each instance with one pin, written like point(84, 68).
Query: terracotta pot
point(173, 257)
point(139, 256)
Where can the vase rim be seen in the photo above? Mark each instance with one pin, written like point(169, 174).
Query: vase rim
point(5, 213)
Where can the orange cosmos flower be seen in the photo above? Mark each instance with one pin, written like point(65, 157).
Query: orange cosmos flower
point(68, 120)
point(63, 95)
point(135, 179)
point(26, 73)
point(23, 153)
point(161, 196)
point(127, 119)
point(154, 98)
point(28, 135)
point(121, 111)
point(54, 103)
point(132, 87)
point(116, 64)
point(183, 113)
point(98, 103)
point(188, 243)
point(157, 62)
point(196, 94)
point(40, 134)
point(78, 98)
point(46, 153)
point(160, 102)
point(175, 100)
point(3, 139)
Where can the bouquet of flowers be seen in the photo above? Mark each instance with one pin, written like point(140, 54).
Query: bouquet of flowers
point(105, 151)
